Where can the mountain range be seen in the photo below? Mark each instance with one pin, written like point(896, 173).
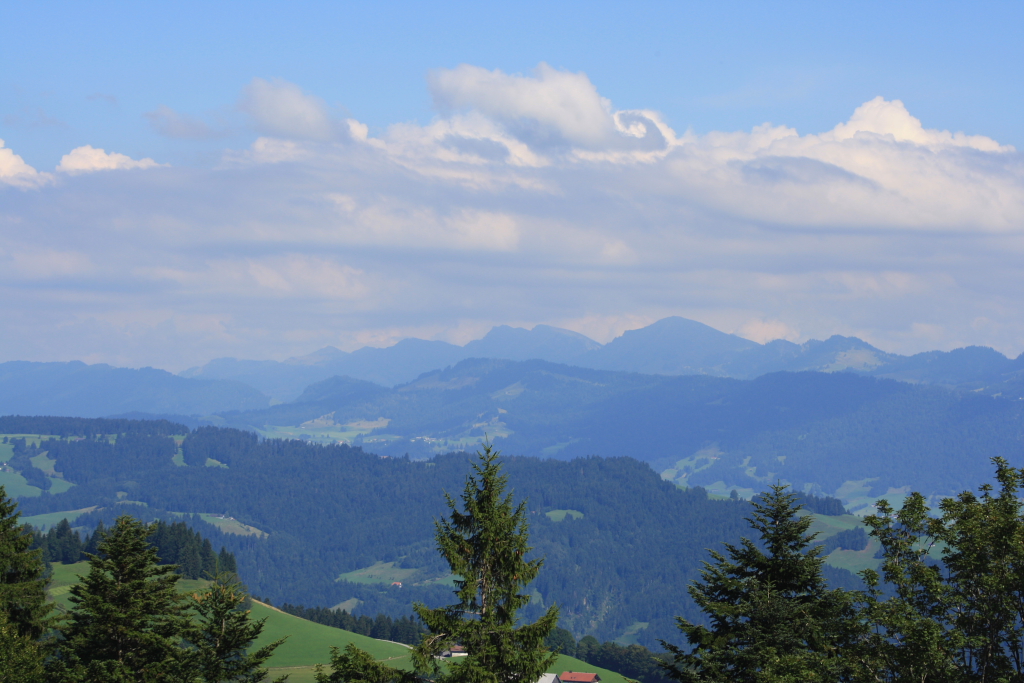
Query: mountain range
point(671, 346)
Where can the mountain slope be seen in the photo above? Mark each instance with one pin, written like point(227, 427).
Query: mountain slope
point(820, 431)
point(77, 389)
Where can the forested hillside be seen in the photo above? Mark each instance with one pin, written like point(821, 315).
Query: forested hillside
point(619, 556)
point(840, 434)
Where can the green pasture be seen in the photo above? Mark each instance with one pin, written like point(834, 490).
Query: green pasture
point(63, 578)
point(16, 486)
point(381, 572)
point(323, 431)
point(231, 526)
point(307, 643)
point(856, 560)
point(305, 674)
point(45, 521)
point(632, 633)
point(826, 526)
point(560, 515)
point(310, 643)
point(44, 463)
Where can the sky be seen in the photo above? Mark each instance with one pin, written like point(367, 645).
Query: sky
point(185, 181)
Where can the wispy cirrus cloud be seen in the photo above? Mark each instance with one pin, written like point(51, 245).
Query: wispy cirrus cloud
point(172, 124)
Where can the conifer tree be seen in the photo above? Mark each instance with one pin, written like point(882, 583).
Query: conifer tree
point(92, 543)
point(772, 616)
point(485, 545)
point(127, 615)
point(226, 561)
point(219, 637)
point(21, 658)
point(22, 586)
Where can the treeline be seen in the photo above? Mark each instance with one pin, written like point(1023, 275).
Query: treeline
point(401, 630)
point(822, 505)
point(65, 427)
point(175, 544)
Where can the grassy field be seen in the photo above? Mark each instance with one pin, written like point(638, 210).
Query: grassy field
point(308, 643)
point(632, 633)
point(381, 572)
point(44, 463)
point(559, 515)
point(232, 526)
point(16, 486)
point(44, 522)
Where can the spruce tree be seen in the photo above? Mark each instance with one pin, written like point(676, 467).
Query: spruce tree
point(772, 616)
point(21, 658)
point(220, 635)
point(127, 615)
point(22, 584)
point(485, 545)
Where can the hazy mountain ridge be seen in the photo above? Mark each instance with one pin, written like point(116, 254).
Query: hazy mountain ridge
point(672, 346)
point(844, 434)
point(77, 389)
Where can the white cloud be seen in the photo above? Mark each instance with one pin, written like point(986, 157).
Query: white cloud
point(14, 171)
point(892, 120)
point(528, 199)
point(283, 109)
point(763, 331)
point(552, 108)
point(87, 159)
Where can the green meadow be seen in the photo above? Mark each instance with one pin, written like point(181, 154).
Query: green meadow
point(231, 526)
point(559, 515)
point(381, 572)
point(45, 521)
point(307, 643)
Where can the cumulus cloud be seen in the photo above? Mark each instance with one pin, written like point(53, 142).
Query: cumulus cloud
point(283, 109)
point(14, 171)
point(172, 124)
point(87, 159)
point(528, 199)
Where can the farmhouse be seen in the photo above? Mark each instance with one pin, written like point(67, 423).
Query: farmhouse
point(579, 677)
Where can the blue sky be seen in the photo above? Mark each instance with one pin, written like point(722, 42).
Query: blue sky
point(279, 176)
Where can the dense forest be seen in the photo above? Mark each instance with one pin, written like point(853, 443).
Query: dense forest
point(176, 544)
point(625, 557)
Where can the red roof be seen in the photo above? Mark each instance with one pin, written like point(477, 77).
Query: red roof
point(579, 677)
